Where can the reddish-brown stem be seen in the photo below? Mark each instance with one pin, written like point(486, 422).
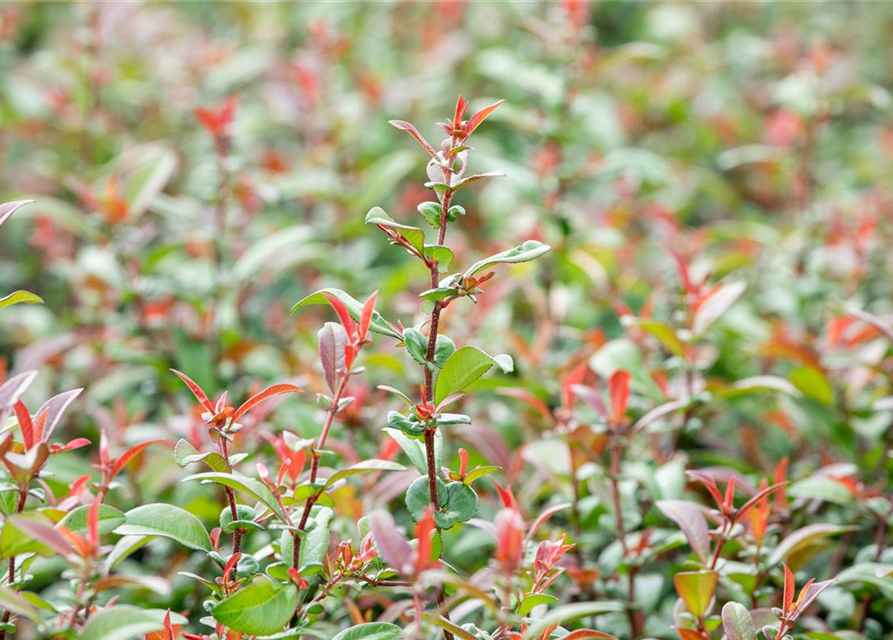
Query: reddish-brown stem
point(231, 498)
point(632, 614)
point(23, 497)
point(314, 466)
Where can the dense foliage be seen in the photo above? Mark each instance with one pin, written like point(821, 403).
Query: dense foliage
point(606, 354)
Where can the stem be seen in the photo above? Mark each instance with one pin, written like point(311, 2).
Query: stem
point(314, 466)
point(635, 622)
point(23, 497)
point(231, 498)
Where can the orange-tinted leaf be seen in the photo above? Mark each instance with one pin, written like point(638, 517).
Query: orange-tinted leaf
point(197, 391)
point(269, 392)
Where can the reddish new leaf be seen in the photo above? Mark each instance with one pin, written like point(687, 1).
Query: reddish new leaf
point(266, 394)
point(788, 589)
point(197, 391)
point(25, 424)
point(129, 455)
point(619, 386)
point(478, 118)
point(411, 130)
point(391, 544)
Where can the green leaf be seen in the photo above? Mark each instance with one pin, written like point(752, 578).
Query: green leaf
point(737, 622)
point(431, 212)
point(109, 519)
point(367, 466)
point(407, 425)
point(168, 521)
point(20, 297)
point(415, 449)
point(16, 603)
point(185, 454)
point(14, 541)
point(126, 622)
point(416, 345)
point(418, 497)
point(414, 235)
point(250, 486)
point(665, 334)
point(696, 588)
point(822, 488)
point(443, 349)
point(530, 250)
point(316, 542)
point(461, 369)
point(262, 607)
point(354, 307)
point(797, 542)
point(813, 383)
point(480, 472)
point(461, 504)
point(370, 631)
point(534, 600)
point(440, 254)
point(569, 612)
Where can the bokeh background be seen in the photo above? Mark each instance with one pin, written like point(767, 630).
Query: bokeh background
point(753, 138)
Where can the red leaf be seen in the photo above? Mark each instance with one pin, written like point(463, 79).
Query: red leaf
point(269, 392)
point(586, 634)
point(366, 315)
point(709, 483)
point(411, 130)
point(25, 424)
point(93, 521)
point(343, 315)
point(750, 504)
point(200, 395)
point(475, 121)
point(505, 495)
point(619, 387)
point(129, 455)
point(423, 532)
point(788, 589)
point(77, 443)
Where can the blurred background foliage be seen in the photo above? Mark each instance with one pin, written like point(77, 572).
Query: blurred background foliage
point(753, 138)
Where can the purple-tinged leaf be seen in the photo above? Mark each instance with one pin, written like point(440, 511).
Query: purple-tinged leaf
point(391, 543)
point(715, 305)
point(411, 130)
point(12, 389)
point(42, 532)
point(692, 523)
point(9, 208)
point(737, 622)
point(332, 339)
point(54, 408)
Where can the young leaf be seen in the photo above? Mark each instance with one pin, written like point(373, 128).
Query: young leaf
point(390, 542)
point(569, 612)
point(269, 392)
point(378, 324)
point(461, 369)
point(332, 339)
point(367, 466)
point(20, 297)
point(185, 453)
point(530, 250)
point(9, 208)
point(109, 519)
point(697, 589)
point(413, 235)
point(415, 449)
point(692, 522)
point(124, 622)
point(371, 631)
point(260, 608)
point(716, 304)
point(737, 622)
point(254, 488)
point(167, 521)
point(411, 130)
